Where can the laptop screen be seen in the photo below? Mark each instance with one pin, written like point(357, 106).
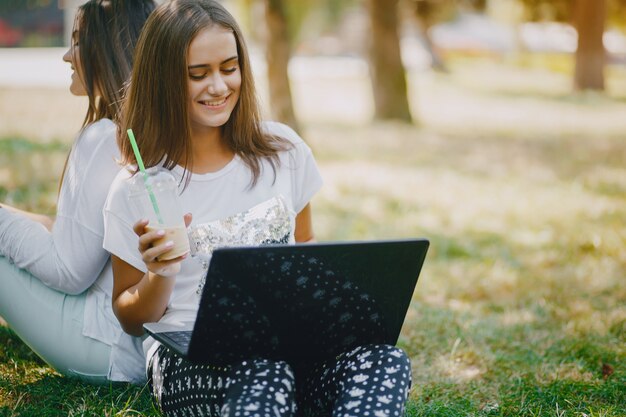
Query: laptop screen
point(304, 303)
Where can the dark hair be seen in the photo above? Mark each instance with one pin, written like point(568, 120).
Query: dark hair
point(155, 105)
point(107, 32)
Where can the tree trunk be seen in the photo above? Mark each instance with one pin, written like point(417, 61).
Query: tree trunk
point(590, 16)
point(277, 53)
point(387, 72)
point(424, 11)
point(437, 63)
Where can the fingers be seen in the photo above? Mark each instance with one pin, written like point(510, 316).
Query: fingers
point(140, 227)
point(148, 239)
point(151, 257)
point(151, 253)
point(165, 268)
point(153, 243)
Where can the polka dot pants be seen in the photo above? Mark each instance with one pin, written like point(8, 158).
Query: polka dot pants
point(367, 381)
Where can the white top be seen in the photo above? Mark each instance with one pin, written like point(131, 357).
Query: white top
point(71, 258)
point(226, 212)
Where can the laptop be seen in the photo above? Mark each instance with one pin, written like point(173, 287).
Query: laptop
point(303, 303)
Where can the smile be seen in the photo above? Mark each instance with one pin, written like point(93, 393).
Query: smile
point(213, 103)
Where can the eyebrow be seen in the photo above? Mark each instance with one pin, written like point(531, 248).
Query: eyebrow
point(207, 65)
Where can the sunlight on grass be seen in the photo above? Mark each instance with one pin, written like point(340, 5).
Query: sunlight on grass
point(519, 184)
point(29, 173)
point(564, 371)
point(45, 115)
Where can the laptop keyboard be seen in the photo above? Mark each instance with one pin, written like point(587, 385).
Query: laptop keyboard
point(181, 338)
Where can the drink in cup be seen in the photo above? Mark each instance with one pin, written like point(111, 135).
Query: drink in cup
point(155, 197)
point(178, 235)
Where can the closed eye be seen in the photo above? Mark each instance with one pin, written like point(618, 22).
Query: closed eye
point(196, 76)
point(200, 73)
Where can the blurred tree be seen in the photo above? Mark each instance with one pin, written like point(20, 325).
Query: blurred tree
point(590, 18)
point(616, 13)
point(387, 71)
point(277, 54)
point(428, 13)
point(431, 12)
point(314, 16)
point(284, 22)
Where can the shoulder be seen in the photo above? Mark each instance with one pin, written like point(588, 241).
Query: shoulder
point(102, 127)
point(297, 148)
point(283, 131)
point(121, 181)
point(118, 190)
point(98, 135)
point(117, 200)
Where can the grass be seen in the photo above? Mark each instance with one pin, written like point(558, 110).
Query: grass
point(519, 184)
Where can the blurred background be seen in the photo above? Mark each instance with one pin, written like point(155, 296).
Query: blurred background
point(494, 128)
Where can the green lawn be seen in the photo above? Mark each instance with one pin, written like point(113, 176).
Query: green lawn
point(521, 187)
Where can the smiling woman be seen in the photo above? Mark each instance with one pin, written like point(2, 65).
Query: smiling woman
point(247, 183)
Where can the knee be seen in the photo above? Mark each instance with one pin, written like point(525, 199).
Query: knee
point(263, 385)
point(390, 359)
point(383, 354)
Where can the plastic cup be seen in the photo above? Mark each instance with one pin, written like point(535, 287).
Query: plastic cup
point(167, 215)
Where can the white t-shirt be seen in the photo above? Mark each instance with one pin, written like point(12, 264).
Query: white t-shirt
point(71, 258)
point(226, 212)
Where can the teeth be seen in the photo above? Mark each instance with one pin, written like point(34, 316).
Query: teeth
point(214, 103)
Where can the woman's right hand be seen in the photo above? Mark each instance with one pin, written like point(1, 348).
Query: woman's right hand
point(150, 252)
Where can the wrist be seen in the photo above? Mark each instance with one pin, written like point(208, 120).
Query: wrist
point(160, 277)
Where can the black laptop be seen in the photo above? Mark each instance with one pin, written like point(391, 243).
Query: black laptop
point(302, 303)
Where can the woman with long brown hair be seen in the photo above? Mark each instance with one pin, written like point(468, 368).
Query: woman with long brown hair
point(55, 277)
point(192, 108)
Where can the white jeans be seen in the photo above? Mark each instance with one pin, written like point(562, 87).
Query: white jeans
point(51, 324)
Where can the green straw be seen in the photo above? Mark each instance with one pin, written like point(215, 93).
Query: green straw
point(133, 143)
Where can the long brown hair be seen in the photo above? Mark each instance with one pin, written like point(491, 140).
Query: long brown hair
point(107, 32)
point(156, 103)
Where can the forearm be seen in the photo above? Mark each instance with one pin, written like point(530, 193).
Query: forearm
point(144, 302)
point(140, 297)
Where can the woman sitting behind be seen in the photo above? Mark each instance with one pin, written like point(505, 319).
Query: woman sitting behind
point(55, 277)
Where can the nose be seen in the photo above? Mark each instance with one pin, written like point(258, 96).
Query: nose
point(217, 86)
point(67, 56)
